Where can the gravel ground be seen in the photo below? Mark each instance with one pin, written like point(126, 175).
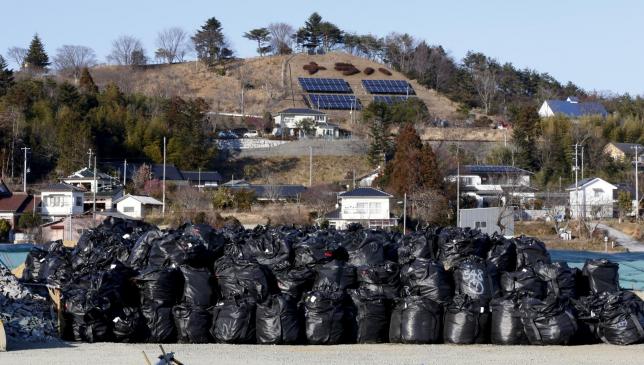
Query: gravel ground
point(122, 354)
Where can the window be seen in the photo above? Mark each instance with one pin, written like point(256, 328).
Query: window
point(374, 208)
point(480, 225)
point(79, 201)
point(57, 200)
point(598, 192)
point(128, 209)
point(362, 208)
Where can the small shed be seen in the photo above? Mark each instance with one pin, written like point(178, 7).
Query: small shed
point(487, 220)
point(137, 206)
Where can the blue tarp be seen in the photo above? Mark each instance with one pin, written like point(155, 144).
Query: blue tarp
point(13, 255)
point(631, 264)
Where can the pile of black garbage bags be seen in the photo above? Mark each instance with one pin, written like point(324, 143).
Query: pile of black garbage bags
point(128, 281)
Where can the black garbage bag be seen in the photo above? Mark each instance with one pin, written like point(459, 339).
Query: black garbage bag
point(415, 320)
point(372, 317)
point(502, 253)
point(622, 318)
point(314, 250)
point(241, 278)
point(57, 270)
point(129, 326)
point(474, 277)
point(522, 283)
point(34, 264)
point(164, 287)
point(466, 321)
point(324, 314)
point(295, 281)
point(365, 247)
point(159, 321)
point(193, 323)
point(278, 320)
point(530, 251)
point(268, 249)
point(560, 279)
point(380, 280)
point(233, 320)
point(457, 243)
point(587, 311)
point(417, 245)
point(198, 285)
point(602, 274)
point(506, 327)
point(335, 275)
point(548, 322)
point(428, 279)
point(138, 258)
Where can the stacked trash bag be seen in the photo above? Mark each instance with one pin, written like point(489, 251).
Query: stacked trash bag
point(128, 281)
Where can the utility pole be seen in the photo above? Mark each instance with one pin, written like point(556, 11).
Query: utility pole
point(582, 163)
point(405, 214)
point(458, 188)
point(163, 186)
point(577, 179)
point(24, 176)
point(637, 188)
point(124, 172)
point(94, 190)
point(89, 159)
point(199, 184)
point(310, 166)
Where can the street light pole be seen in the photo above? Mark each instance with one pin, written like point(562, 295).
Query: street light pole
point(637, 192)
point(405, 214)
point(24, 176)
point(163, 186)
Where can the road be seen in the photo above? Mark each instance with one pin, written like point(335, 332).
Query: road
point(122, 354)
point(623, 239)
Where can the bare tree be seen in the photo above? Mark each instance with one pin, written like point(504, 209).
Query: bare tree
point(126, 51)
point(281, 38)
point(172, 44)
point(17, 55)
point(70, 60)
point(484, 72)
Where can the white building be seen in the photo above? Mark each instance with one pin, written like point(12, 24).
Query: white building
point(136, 206)
point(327, 130)
point(487, 220)
point(367, 206)
point(84, 178)
point(60, 200)
point(494, 184)
point(571, 107)
point(289, 118)
point(592, 198)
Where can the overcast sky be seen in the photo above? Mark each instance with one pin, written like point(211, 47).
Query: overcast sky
point(595, 44)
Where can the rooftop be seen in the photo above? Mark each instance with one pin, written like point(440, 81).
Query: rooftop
point(87, 173)
point(493, 169)
point(145, 200)
point(628, 148)
point(301, 111)
point(574, 108)
point(61, 187)
point(17, 203)
point(365, 192)
point(587, 181)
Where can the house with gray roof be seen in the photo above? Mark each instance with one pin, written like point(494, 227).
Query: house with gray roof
point(366, 206)
point(571, 108)
point(625, 151)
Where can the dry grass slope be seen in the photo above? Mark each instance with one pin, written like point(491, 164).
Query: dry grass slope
point(267, 83)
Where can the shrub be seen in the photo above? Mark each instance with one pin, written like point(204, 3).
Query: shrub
point(368, 71)
point(350, 72)
point(384, 71)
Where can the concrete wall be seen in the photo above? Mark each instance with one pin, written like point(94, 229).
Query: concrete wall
point(247, 143)
point(485, 219)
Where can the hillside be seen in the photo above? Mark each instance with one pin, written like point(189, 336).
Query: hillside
point(266, 79)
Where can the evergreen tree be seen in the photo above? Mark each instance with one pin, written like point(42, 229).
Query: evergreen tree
point(414, 167)
point(86, 82)
point(309, 35)
point(37, 58)
point(210, 43)
point(261, 36)
point(524, 136)
point(6, 76)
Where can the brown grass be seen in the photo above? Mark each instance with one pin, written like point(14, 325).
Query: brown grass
point(545, 232)
point(635, 230)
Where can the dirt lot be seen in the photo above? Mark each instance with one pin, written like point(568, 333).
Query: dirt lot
point(125, 354)
point(545, 232)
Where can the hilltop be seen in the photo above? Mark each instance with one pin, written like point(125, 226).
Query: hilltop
point(267, 82)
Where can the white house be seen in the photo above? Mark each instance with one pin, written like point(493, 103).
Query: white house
point(592, 198)
point(327, 130)
point(488, 184)
point(60, 200)
point(84, 178)
point(288, 118)
point(571, 107)
point(367, 206)
point(136, 206)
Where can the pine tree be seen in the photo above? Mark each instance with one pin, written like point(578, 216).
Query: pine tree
point(37, 58)
point(309, 35)
point(524, 137)
point(6, 76)
point(86, 82)
point(210, 43)
point(261, 36)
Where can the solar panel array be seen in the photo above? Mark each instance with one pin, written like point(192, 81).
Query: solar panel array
point(318, 85)
point(400, 87)
point(338, 102)
point(390, 99)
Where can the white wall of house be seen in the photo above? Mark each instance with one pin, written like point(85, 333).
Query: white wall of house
point(545, 111)
point(131, 207)
point(361, 208)
point(595, 198)
point(324, 131)
point(486, 220)
point(62, 203)
point(291, 120)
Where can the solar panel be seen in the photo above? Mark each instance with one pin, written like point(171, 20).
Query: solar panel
point(390, 99)
point(342, 102)
point(400, 87)
point(317, 85)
